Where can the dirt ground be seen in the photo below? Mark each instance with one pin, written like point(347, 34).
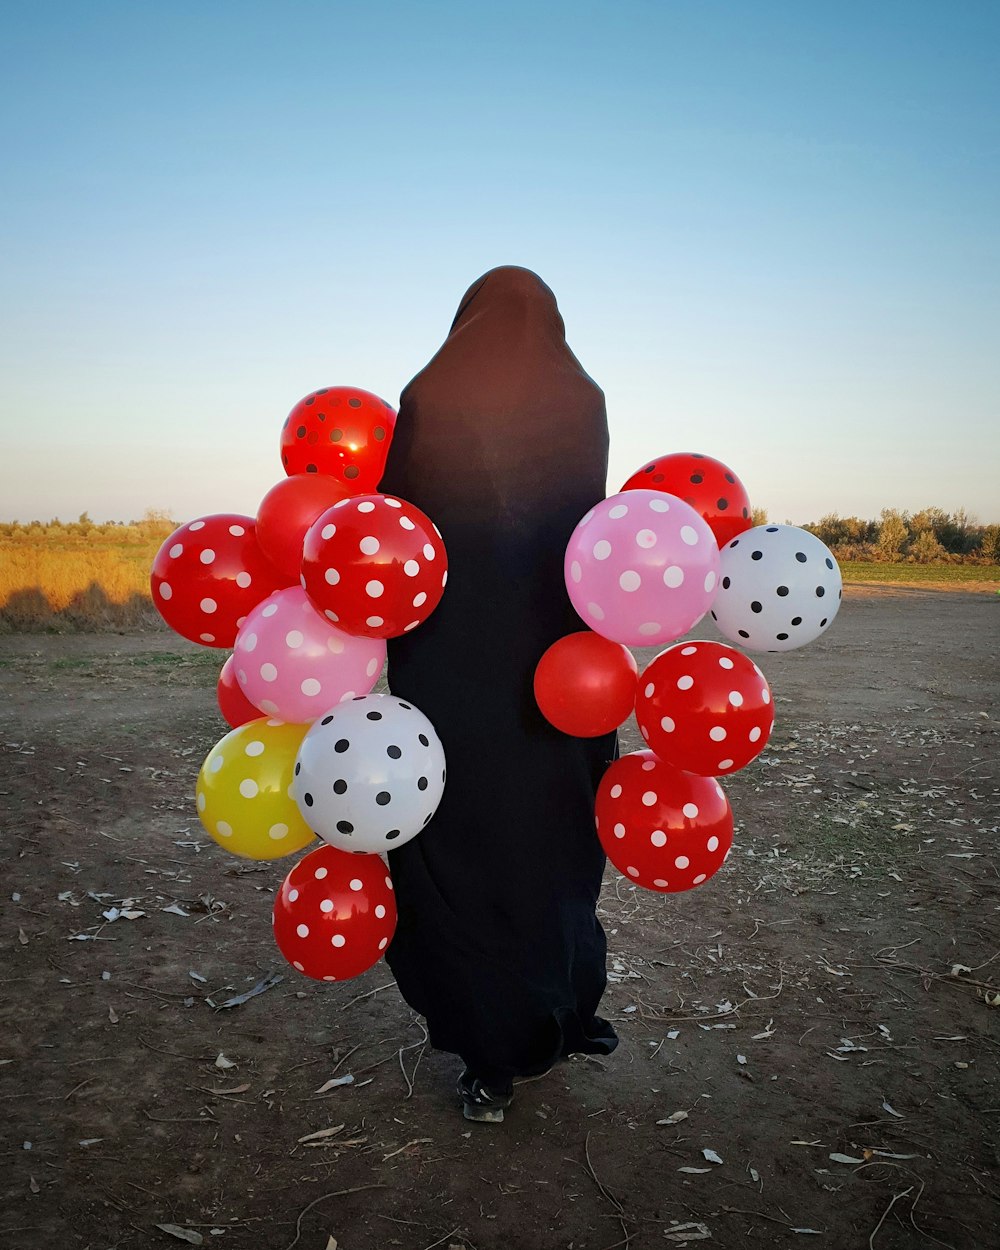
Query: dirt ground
point(810, 1043)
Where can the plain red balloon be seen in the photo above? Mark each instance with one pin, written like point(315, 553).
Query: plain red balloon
point(335, 914)
point(708, 485)
point(374, 565)
point(665, 829)
point(585, 684)
point(235, 707)
point(287, 511)
point(208, 575)
point(704, 707)
point(341, 431)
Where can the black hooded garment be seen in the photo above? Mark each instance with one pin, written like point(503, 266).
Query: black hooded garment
point(502, 440)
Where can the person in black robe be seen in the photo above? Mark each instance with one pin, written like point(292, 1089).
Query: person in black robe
point(502, 440)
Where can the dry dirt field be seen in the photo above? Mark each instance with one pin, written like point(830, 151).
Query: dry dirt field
point(810, 1044)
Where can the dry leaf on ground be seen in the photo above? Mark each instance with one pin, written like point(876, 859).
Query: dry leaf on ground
point(182, 1234)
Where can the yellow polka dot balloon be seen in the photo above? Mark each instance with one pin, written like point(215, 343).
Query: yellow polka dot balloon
point(242, 791)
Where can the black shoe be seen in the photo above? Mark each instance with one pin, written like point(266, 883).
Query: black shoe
point(485, 1104)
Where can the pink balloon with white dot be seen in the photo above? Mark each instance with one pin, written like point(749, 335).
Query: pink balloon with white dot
point(642, 568)
point(664, 829)
point(335, 914)
point(291, 662)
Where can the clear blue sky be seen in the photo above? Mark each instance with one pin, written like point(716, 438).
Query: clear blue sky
point(772, 228)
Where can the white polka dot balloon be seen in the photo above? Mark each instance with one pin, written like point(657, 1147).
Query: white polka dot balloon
point(780, 589)
point(642, 568)
point(291, 662)
point(370, 774)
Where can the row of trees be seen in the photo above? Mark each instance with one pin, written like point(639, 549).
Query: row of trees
point(931, 536)
point(154, 525)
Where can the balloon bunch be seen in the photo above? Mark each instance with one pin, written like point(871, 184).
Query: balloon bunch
point(305, 594)
point(644, 567)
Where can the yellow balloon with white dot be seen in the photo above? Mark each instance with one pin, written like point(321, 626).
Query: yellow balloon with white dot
point(242, 791)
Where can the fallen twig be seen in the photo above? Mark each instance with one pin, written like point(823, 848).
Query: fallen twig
point(925, 973)
point(80, 1086)
point(417, 1141)
point(717, 1015)
point(923, 1232)
point(440, 1239)
point(759, 1215)
point(174, 1054)
point(184, 1119)
point(402, 1050)
point(607, 1195)
point(343, 1058)
point(370, 994)
point(337, 1193)
point(892, 1202)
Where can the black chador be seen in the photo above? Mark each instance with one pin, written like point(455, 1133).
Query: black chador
point(502, 440)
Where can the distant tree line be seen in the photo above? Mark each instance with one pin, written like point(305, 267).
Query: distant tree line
point(931, 536)
point(154, 525)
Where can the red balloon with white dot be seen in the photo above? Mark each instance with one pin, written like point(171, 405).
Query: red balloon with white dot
point(335, 914)
point(375, 565)
point(208, 575)
point(708, 485)
point(664, 829)
point(705, 708)
point(235, 707)
point(341, 431)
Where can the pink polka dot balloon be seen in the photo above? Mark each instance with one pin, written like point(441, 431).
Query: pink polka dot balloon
point(335, 914)
point(292, 663)
point(705, 708)
point(208, 575)
point(642, 567)
point(665, 829)
point(375, 565)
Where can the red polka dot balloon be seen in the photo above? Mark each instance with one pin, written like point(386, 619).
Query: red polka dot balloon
point(208, 575)
point(704, 707)
point(709, 486)
point(235, 707)
point(375, 565)
point(665, 829)
point(341, 431)
point(335, 914)
point(287, 511)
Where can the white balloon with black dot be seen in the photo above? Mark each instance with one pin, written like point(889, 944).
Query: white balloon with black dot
point(779, 589)
point(369, 774)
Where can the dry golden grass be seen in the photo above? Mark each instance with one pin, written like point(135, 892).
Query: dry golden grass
point(61, 576)
point(81, 576)
point(81, 583)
